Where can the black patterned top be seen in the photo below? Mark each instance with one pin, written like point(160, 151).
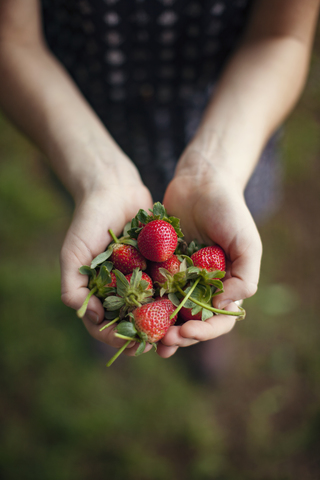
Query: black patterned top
point(147, 67)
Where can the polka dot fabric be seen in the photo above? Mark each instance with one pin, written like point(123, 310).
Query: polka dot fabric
point(147, 67)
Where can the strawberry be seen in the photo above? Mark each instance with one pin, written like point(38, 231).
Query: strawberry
point(185, 314)
point(126, 258)
point(144, 277)
point(209, 258)
point(152, 320)
point(157, 241)
point(113, 283)
point(172, 265)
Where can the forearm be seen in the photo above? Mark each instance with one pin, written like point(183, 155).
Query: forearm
point(41, 99)
point(257, 90)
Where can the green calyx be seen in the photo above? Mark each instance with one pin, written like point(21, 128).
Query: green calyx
point(127, 331)
point(198, 298)
point(188, 272)
point(158, 212)
point(124, 240)
point(98, 279)
point(128, 295)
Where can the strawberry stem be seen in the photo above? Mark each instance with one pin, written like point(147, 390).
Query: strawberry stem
point(109, 324)
point(114, 238)
point(186, 296)
point(82, 310)
point(124, 337)
point(241, 313)
point(118, 353)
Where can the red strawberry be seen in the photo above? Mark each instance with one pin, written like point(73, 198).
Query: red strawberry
point(152, 320)
point(157, 241)
point(143, 277)
point(210, 258)
point(185, 314)
point(172, 265)
point(113, 282)
point(126, 258)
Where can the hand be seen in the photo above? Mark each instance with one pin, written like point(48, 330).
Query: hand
point(104, 207)
point(211, 208)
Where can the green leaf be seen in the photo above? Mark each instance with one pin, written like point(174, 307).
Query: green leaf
point(126, 229)
point(206, 314)
point(194, 270)
point(102, 257)
point(108, 265)
point(141, 348)
point(104, 275)
point(129, 241)
point(218, 284)
point(86, 270)
point(127, 329)
point(196, 309)
point(159, 210)
point(142, 217)
point(136, 278)
point(122, 283)
point(174, 299)
point(111, 314)
point(113, 303)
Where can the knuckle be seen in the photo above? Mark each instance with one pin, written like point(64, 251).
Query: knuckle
point(68, 299)
point(250, 290)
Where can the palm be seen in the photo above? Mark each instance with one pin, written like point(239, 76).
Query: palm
point(88, 236)
point(216, 212)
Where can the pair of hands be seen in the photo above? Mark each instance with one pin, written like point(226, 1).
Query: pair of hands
point(211, 208)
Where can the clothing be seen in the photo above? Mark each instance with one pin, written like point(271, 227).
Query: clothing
point(147, 67)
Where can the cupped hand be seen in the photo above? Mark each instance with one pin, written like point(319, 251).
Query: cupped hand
point(95, 213)
point(212, 209)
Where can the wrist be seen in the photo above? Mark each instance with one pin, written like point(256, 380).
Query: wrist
point(93, 167)
point(200, 169)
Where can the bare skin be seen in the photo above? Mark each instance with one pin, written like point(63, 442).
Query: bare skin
point(257, 90)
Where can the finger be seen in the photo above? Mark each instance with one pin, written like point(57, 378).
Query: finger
point(165, 352)
point(212, 328)
point(130, 352)
point(106, 336)
point(243, 272)
point(174, 338)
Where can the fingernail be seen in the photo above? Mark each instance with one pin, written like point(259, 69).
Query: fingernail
point(93, 316)
point(223, 304)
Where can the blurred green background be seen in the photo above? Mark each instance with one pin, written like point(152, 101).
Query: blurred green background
point(254, 415)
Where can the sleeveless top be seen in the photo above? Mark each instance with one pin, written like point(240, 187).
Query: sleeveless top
point(147, 68)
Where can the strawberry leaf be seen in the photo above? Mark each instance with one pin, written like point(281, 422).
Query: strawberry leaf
point(113, 303)
point(86, 270)
point(104, 275)
point(159, 211)
point(111, 314)
point(174, 299)
point(205, 314)
point(102, 257)
point(122, 283)
point(127, 329)
point(141, 348)
point(126, 229)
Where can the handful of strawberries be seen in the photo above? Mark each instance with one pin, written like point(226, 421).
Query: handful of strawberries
point(150, 278)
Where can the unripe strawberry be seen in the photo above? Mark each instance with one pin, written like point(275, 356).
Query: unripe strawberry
point(209, 258)
point(126, 258)
point(172, 265)
point(157, 241)
point(152, 320)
